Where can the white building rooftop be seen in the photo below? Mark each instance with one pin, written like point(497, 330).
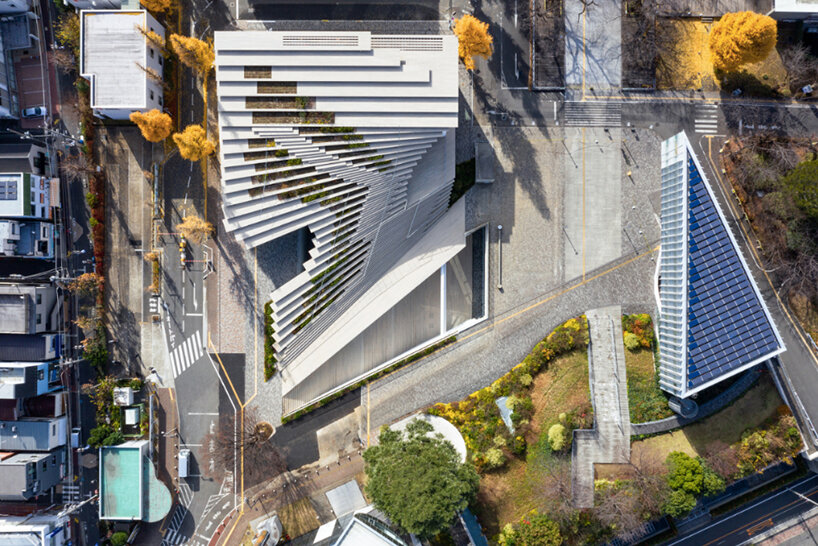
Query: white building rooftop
point(113, 49)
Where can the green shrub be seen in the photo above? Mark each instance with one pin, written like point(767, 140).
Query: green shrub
point(92, 199)
point(556, 437)
point(494, 458)
point(679, 503)
point(119, 538)
point(93, 222)
point(632, 342)
point(685, 472)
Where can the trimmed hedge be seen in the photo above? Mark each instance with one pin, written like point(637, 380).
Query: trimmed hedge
point(400, 363)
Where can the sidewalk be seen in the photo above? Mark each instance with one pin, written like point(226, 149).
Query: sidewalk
point(309, 482)
point(609, 440)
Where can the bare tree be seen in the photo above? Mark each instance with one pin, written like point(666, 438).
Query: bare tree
point(64, 60)
point(802, 67)
point(75, 166)
point(248, 439)
point(554, 490)
point(618, 506)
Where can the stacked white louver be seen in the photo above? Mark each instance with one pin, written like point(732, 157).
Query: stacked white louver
point(346, 134)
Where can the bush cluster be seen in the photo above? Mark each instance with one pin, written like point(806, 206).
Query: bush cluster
point(761, 447)
point(478, 416)
point(532, 529)
point(688, 478)
point(638, 331)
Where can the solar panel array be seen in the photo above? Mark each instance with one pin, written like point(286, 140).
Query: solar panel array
point(727, 325)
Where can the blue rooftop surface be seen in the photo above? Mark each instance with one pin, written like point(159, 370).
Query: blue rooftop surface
point(727, 326)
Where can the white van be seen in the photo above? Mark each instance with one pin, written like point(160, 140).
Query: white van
point(184, 462)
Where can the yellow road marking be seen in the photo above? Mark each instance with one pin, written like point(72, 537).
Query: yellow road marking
point(172, 398)
point(210, 343)
point(750, 244)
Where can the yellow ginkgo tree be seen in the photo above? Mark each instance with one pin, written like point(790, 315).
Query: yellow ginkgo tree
point(155, 125)
point(193, 143)
point(741, 38)
point(473, 39)
point(195, 53)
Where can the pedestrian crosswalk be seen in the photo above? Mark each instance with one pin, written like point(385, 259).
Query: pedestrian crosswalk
point(173, 538)
point(188, 352)
point(153, 305)
point(593, 114)
point(185, 494)
point(70, 493)
point(706, 119)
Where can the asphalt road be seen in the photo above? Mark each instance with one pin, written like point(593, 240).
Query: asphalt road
point(768, 511)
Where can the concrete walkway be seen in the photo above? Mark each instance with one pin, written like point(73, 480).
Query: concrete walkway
point(593, 45)
point(609, 440)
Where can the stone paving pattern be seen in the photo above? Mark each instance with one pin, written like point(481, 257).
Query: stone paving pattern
point(609, 441)
point(593, 42)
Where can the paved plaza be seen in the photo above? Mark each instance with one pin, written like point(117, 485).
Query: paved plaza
point(593, 45)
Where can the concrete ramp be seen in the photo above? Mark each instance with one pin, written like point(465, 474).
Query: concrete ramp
point(609, 440)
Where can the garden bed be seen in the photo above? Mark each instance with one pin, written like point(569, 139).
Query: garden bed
point(760, 408)
point(646, 401)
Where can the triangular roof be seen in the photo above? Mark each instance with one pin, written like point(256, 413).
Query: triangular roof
point(713, 321)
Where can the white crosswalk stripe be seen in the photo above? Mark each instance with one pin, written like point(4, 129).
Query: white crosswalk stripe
point(173, 538)
point(153, 305)
point(186, 354)
point(71, 493)
point(706, 119)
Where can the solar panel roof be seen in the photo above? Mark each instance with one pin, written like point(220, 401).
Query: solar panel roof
point(727, 325)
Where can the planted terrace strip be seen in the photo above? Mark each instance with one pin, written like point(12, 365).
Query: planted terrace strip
point(253, 72)
point(308, 131)
point(269, 177)
point(294, 117)
point(259, 143)
point(291, 103)
point(276, 88)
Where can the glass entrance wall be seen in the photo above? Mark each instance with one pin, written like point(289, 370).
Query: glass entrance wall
point(453, 296)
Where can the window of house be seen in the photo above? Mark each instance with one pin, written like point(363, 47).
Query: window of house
point(150, 50)
point(160, 60)
point(45, 233)
point(151, 93)
point(33, 197)
point(39, 299)
point(39, 318)
point(160, 101)
point(45, 466)
point(13, 228)
point(42, 198)
point(40, 373)
point(53, 430)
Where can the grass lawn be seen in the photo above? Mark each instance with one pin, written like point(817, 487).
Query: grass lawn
point(751, 410)
point(507, 494)
point(645, 400)
point(689, 65)
point(298, 518)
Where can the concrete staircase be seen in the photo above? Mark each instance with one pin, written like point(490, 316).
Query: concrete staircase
point(609, 440)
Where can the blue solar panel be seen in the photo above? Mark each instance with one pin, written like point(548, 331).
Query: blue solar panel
point(727, 327)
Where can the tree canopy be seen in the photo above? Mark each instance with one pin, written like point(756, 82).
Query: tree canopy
point(741, 38)
point(800, 186)
point(418, 480)
point(473, 38)
point(194, 228)
point(193, 143)
point(155, 125)
point(193, 52)
point(157, 6)
point(687, 478)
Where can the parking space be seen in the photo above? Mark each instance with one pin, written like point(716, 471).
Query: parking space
point(30, 76)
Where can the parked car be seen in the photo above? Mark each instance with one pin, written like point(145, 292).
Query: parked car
point(35, 112)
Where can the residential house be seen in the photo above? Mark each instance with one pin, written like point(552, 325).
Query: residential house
point(39, 529)
point(33, 434)
point(126, 80)
point(28, 308)
point(24, 195)
point(27, 475)
point(26, 239)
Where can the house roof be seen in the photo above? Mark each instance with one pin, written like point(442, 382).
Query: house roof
point(112, 50)
point(22, 348)
point(714, 322)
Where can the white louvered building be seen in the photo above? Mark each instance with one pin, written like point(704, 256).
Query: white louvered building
point(351, 136)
